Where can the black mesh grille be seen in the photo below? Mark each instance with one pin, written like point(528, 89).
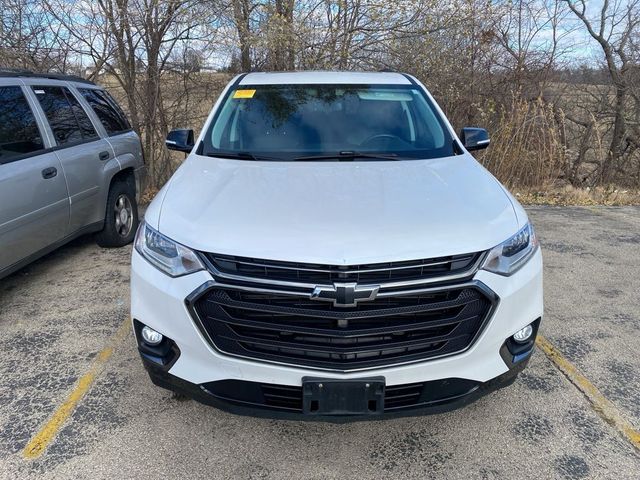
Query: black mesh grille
point(402, 396)
point(327, 274)
point(297, 330)
point(282, 397)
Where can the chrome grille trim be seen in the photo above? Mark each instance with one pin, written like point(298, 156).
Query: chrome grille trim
point(468, 273)
point(347, 267)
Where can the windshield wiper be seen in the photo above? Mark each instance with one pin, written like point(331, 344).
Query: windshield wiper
point(241, 156)
point(348, 155)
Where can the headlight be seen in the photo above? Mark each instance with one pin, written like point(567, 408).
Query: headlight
point(510, 255)
point(165, 254)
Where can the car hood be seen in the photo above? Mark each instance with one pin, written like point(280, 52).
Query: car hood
point(340, 213)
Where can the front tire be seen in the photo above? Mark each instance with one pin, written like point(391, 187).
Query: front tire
point(121, 219)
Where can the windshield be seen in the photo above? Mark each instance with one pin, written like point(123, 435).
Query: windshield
point(288, 122)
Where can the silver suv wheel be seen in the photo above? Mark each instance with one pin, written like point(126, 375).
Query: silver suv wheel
point(124, 215)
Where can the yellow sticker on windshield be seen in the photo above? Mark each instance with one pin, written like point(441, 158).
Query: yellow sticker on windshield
point(244, 93)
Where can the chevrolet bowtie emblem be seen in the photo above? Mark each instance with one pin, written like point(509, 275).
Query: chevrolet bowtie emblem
point(345, 294)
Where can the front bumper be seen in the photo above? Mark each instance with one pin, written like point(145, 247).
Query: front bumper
point(248, 398)
point(159, 302)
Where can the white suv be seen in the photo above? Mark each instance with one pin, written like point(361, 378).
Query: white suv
point(330, 248)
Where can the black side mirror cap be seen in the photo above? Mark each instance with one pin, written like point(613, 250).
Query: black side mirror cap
point(181, 140)
point(474, 138)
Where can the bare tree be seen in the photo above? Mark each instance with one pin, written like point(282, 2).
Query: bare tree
point(529, 42)
point(242, 11)
point(508, 65)
point(27, 40)
point(133, 41)
point(284, 46)
point(614, 28)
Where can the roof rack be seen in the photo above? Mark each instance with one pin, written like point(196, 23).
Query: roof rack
point(16, 72)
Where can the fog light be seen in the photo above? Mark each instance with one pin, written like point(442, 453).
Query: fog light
point(150, 336)
point(524, 335)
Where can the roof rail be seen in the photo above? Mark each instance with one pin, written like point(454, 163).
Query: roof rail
point(16, 72)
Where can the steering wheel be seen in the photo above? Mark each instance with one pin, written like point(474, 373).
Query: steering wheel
point(383, 136)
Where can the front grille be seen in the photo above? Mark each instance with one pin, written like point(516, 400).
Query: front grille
point(327, 274)
point(288, 398)
point(291, 328)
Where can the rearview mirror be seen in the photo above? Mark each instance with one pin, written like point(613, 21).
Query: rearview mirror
point(180, 140)
point(474, 138)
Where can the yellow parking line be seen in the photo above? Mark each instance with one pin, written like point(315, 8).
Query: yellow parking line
point(39, 443)
point(601, 404)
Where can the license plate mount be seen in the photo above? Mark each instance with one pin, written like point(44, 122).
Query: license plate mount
point(329, 396)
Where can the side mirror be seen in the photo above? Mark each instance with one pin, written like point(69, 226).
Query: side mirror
point(180, 140)
point(474, 138)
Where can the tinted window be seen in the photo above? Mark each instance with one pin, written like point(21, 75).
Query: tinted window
point(68, 121)
point(107, 111)
point(19, 134)
point(290, 121)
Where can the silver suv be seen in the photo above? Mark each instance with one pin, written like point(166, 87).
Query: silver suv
point(70, 164)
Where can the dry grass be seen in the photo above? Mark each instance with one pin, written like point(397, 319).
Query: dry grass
point(579, 196)
point(526, 149)
point(148, 195)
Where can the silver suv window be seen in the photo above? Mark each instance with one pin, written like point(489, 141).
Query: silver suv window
point(19, 132)
point(69, 122)
point(112, 118)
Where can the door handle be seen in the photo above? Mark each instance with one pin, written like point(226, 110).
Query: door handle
point(49, 172)
point(103, 156)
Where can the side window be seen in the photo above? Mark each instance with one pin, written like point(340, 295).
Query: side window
point(19, 133)
point(69, 122)
point(107, 110)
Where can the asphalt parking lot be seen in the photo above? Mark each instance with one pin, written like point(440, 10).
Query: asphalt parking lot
point(59, 320)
